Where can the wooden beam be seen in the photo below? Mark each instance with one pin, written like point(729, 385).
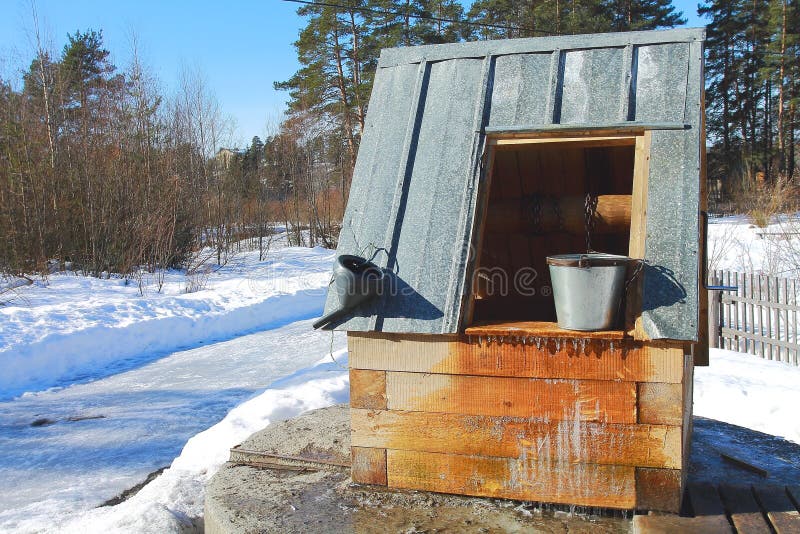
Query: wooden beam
point(520, 143)
point(612, 215)
point(482, 209)
point(781, 512)
point(368, 466)
point(521, 479)
point(591, 360)
point(638, 234)
point(658, 489)
point(367, 389)
point(541, 329)
point(669, 524)
point(584, 400)
point(519, 437)
point(660, 404)
point(743, 509)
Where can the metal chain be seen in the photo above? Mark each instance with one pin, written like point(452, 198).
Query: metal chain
point(535, 213)
point(589, 212)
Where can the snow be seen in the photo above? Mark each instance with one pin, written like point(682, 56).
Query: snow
point(148, 377)
point(748, 391)
point(173, 502)
point(50, 333)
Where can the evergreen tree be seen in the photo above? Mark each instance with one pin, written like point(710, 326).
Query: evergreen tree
point(334, 77)
point(530, 18)
point(629, 15)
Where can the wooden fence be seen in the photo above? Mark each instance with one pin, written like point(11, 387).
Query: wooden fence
point(759, 317)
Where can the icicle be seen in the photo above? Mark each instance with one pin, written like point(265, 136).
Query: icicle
point(558, 344)
point(611, 346)
point(575, 344)
point(524, 341)
point(480, 341)
point(583, 346)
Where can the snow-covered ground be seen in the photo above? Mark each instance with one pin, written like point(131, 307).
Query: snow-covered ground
point(124, 384)
point(748, 391)
point(97, 392)
point(76, 328)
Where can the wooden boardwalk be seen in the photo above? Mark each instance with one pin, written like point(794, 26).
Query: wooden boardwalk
point(731, 508)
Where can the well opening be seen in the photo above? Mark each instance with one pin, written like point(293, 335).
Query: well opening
point(537, 207)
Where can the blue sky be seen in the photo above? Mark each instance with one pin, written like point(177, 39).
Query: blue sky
point(241, 47)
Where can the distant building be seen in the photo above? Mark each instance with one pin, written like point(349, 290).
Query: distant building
point(225, 155)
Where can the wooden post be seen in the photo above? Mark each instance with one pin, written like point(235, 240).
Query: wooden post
point(714, 302)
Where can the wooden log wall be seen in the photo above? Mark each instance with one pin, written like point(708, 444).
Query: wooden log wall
point(591, 422)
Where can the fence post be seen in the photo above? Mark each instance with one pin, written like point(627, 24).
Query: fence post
point(714, 303)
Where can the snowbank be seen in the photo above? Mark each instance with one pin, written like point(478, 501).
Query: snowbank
point(173, 502)
point(745, 390)
point(76, 328)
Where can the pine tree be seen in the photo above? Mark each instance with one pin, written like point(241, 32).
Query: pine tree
point(529, 18)
point(781, 70)
point(629, 15)
point(333, 78)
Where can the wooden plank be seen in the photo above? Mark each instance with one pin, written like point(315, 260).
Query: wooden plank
point(629, 361)
point(638, 234)
point(705, 500)
point(671, 524)
point(728, 298)
point(794, 494)
point(562, 400)
point(757, 337)
point(687, 403)
point(585, 142)
point(658, 489)
point(522, 479)
point(793, 324)
point(762, 347)
point(751, 313)
point(781, 512)
point(701, 350)
point(519, 437)
point(368, 466)
point(484, 187)
point(786, 318)
point(743, 509)
point(736, 324)
point(744, 465)
point(770, 346)
point(367, 389)
point(538, 328)
point(660, 404)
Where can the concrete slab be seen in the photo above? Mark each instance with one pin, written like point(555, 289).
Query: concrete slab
point(295, 499)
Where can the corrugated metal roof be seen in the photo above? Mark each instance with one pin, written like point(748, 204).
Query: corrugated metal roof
point(414, 188)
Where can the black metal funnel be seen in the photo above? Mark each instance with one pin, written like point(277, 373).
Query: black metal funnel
point(356, 280)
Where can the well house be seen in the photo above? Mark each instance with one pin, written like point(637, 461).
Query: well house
point(479, 160)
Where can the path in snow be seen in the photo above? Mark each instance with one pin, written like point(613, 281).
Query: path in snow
point(137, 421)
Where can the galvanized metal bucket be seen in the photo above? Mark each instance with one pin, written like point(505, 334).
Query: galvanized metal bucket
point(587, 289)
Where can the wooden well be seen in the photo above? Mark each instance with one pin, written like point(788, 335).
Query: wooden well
point(513, 406)
point(478, 161)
